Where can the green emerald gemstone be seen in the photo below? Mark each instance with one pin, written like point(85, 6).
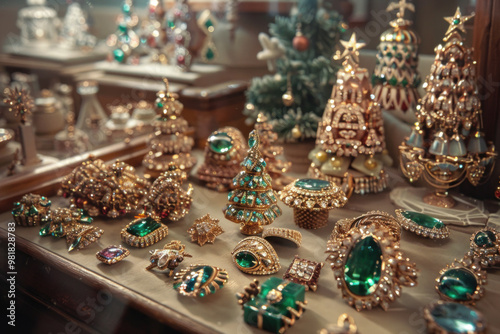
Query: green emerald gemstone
point(485, 239)
point(456, 21)
point(197, 278)
point(404, 82)
point(143, 227)
point(393, 81)
point(246, 259)
point(220, 143)
point(170, 23)
point(209, 23)
point(74, 244)
point(455, 318)
point(44, 231)
point(210, 54)
point(363, 267)
point(32, 211)
point(122, 27)
point(312, 184)
point(458, 284)
point(252, 141)
point(423, 219)
point(119, 55)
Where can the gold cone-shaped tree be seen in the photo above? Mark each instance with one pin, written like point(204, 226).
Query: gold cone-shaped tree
point(446, 144)
point(169, 142)
point(350, 142)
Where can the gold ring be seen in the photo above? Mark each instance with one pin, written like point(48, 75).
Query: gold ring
point(168, 258)
point(422, 224)
point(485, 247)
point(256, 256)
point(31, 210)
point(144, 231)
point(304, 272)
point(199, 280)
point(377, 218)
point(284, 233)
point(112, 254)
point(205, 229)
point(462, 281)
point(369, 267)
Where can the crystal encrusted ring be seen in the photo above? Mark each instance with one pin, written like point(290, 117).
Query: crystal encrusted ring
point(199, 280)
point(377, 218)
point(369, 267)
point(422, 224)
point(144, 231)
point(284, 233)
point(485, 247)
point(447, 317)
point(462, 281)
point(31, 210)
point(256, 256)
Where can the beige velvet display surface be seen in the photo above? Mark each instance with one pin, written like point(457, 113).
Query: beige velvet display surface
point(221, 311)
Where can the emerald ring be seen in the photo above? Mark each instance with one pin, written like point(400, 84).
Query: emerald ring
point(447, 317)
point(462, 281)
point(485, 247)
point(369, 267)
point(256, 256)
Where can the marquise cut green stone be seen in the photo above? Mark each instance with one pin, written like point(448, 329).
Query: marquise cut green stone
point(220, 143)
point(363, 267)
point(251, 141)
point(246, 259)
point(485, 239)
point(143, 227)
point(312, 184)
point(458, 284)
point(423, 220)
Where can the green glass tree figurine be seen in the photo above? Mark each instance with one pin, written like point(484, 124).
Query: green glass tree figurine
point(253, 201)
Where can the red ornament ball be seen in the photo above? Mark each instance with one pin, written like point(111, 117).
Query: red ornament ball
point(300, 43)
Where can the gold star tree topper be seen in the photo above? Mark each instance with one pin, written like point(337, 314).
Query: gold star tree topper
point(19, 102)
point(402, 5)
point(457, 21)
point(351, 52)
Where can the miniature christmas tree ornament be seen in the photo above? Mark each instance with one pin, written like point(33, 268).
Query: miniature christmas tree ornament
point(125, 41)
point(276, 167)
point(169, 142)
point(350, 142)
point(447, 145)
point(21, 104)
point(253, 203)
point(395, 79)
